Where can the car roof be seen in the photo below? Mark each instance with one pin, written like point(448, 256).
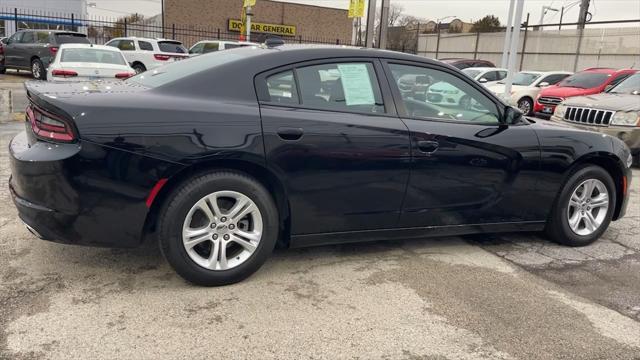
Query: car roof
point(144, 39)
point(487, 68)
point(52, 31)
point(88, 46)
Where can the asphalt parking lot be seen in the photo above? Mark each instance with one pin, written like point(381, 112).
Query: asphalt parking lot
point(508, 296)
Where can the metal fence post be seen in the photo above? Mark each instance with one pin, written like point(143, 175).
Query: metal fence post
point(15, 18)
point(438, 42)
point(218, 33)
point(475, 51)
point(300, 39)
point(524, 43)
point(337, 41)
point(125, 27)
point(173, 31)
point(72, 23)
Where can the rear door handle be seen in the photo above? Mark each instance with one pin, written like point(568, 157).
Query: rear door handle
point(290, 133)
point(427, 146)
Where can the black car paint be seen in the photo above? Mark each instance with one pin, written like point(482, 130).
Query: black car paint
point(335, 183)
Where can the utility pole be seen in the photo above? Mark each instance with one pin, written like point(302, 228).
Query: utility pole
point(584, 12)
point(513, 51)
point(384, 24)
point(371, 21)
point(507, 36)
point(162, 16)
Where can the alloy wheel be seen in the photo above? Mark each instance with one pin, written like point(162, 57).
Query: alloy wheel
point(524, 106)
point(35, 70)
point(222, 230)
point(588, 207)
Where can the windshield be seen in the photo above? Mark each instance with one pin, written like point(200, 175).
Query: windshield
point(180, 69)
point(472, 73)
point(631, 85)
point(523, 79)
point(92, 56)
point(71, 38)
point(585, 80)
point(172, 47)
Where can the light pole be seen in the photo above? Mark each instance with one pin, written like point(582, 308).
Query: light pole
point(543, 12)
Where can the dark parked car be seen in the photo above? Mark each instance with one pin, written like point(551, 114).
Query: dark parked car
point(461, 63)
point(34, 49)
point(302, 145)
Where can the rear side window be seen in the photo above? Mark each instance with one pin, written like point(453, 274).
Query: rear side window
point(554, 79)
point(42, 37)
point(282, 88)
point(92, 56)
point(340, 87)
point(70, 38)
point(172, 47)
point(585, 80)
point(144, 45)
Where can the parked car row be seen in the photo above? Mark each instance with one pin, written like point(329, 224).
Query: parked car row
point(37, 50)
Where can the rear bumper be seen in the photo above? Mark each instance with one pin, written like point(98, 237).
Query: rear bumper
point(77, 194)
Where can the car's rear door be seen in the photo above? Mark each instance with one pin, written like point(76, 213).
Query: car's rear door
point(332, 135)
point(468, 167)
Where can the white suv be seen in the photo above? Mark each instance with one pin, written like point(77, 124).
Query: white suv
point(145, 53)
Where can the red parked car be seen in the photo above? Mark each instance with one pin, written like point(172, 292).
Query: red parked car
point(587, 82)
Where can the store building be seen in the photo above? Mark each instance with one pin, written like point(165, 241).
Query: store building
point(40, 14)
point(289, 20)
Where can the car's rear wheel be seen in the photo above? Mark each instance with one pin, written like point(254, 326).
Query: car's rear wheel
point(584, 207)
point(37, 70)
point(218, 228)
point(526, 106)
point(139, 68)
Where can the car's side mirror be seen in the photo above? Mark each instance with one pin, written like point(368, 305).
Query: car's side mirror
point(512, 115)
point(483, 80)
point(543, 84)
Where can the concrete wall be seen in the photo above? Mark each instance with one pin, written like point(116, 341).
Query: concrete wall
point(545, 50)
point(312, 22)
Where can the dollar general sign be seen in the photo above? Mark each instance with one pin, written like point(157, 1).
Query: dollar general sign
point(276, 29)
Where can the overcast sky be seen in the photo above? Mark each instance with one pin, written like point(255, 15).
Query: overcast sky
point(467, 10)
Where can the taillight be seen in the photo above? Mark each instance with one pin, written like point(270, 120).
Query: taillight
point(53, 50)
point(124, 75)
point(49, 126)
point(64, 73)
point(161, 57)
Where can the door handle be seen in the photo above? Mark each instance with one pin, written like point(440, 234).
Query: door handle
point(427, 146)
point(290, 133)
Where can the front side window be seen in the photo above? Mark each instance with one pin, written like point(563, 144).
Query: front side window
point(196, 49)
point(282, 88)
point(618, 80)
point(144, 45)
point(27, 38)
point(340, 87)
point(491, 76)
point(436, 94)
point(126, 45)
point(211, 47)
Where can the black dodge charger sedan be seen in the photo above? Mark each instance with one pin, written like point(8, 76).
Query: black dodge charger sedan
point(221, 156)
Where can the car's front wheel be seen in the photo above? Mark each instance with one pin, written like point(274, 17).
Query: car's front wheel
point(218, 228)
point(526, 106)
point(584, 207)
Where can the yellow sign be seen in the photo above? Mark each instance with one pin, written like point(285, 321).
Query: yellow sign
point(276, 29)
point(356, 8)
point(249, 3)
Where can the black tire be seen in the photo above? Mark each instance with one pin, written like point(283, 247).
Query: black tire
point(139, 68)
point(176, 209)
point(524, 104)
point(558, 228)
point(38, 70)
point(3, 69)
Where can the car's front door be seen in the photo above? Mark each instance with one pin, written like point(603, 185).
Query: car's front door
point(332, 135)
point(469, 167)
point(11, 49)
